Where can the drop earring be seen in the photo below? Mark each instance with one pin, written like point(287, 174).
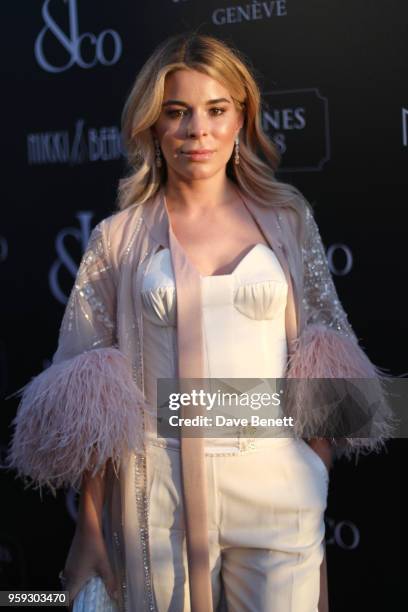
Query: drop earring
point(236, 151)
point(158, 153)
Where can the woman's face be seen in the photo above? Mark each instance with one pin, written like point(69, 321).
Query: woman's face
point(197, 126)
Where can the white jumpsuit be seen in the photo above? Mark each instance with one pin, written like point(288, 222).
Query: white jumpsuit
point(266, 496)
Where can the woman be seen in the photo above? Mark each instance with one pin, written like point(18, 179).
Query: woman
point(211, 268)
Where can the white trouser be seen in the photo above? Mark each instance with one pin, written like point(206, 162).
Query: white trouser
point(266, 507)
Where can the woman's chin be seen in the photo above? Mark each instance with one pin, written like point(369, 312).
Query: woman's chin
point(199, 171)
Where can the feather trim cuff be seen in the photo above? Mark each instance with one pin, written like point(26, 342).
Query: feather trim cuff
point(75, 416)
point(354, 406)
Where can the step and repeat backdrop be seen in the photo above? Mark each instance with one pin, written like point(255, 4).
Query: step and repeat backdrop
point(333, 79)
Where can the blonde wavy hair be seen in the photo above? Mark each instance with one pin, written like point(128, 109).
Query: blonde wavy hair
point(259, 157)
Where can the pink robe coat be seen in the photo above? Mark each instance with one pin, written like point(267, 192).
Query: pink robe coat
point(88, 407)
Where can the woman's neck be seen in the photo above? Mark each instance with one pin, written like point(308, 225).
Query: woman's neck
point(198, 195)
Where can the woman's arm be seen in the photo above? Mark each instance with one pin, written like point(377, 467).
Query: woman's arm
point(339, 394)
point(91, 501)
point(85, 409)
point(324, 448)
point(87, 555)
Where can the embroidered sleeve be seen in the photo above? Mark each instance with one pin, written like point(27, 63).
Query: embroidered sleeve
point(320, 299)
point(89, 317)
point(338, 392)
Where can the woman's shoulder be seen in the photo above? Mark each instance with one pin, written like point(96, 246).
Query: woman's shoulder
point(293, 216)
point(117, 231)
point(118, 221)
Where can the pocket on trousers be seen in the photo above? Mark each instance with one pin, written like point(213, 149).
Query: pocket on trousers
point(317, 460)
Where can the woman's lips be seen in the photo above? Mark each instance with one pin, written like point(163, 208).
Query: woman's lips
point(199, 154)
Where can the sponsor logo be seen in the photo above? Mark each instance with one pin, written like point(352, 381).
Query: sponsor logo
point(85, 145)
point(297, 120)
point(64, 258)
point(104, 48)
point(344, 259)
point(253, 11)
point(344, 534)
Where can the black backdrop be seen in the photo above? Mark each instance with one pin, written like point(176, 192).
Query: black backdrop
point(333, 75)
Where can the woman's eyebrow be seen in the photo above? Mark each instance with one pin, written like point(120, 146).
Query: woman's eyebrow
point(181, 103)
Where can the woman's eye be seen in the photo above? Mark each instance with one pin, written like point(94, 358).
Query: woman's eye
point(179, 113)
point(217, 111)
point(176, 113)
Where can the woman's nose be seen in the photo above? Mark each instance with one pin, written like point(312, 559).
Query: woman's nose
point(197, 126)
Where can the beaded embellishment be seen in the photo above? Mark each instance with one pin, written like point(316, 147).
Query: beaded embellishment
point(141, 474)
point(118, 545)
point(320, 299)
point(142, 509)
point(93, 269)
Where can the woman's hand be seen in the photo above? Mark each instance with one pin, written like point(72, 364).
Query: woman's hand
point(323, 448)
point(88, 557)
